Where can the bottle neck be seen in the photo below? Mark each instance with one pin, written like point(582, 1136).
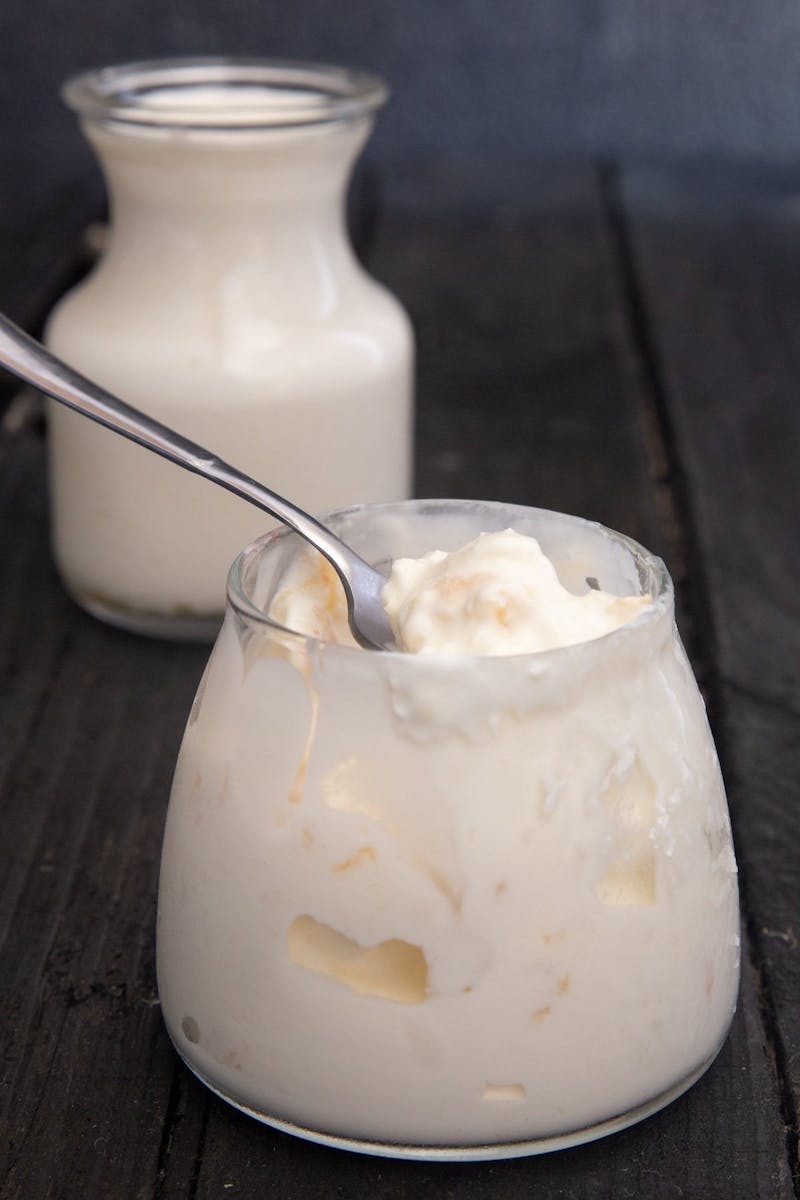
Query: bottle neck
point(267, 206)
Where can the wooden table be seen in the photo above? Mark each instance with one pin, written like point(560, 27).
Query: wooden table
point(623, 344)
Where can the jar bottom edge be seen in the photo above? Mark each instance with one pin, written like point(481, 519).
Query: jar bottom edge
point(177, 627)
point(467, 1153)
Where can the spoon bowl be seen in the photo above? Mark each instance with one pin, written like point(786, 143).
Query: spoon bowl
point(363, 584)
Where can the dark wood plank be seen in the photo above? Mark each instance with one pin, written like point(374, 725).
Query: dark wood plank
point(722, 294)
point(42, 243)
point(86, 754)
point(523, 392)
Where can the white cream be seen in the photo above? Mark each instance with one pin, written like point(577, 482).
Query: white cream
point(229, 305)
point(499, 594)
point(437, 900)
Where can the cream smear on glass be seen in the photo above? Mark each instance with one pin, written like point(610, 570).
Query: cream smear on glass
point(445, 904)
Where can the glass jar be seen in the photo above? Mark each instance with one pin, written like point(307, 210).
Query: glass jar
point(228, 303)
point(449, 907)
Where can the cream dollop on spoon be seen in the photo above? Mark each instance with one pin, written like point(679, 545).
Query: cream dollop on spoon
point(28, 359)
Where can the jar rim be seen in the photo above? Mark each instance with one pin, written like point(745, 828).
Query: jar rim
point(648, 565)
point(262, 93)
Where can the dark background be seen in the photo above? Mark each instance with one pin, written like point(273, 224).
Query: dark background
point(472, 79)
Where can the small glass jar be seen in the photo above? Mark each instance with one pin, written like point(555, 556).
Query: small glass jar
point(228, 304)
point(449, 907)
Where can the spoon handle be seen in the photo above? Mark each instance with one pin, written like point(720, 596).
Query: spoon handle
point(27, 358)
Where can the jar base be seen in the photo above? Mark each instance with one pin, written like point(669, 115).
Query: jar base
point(466, 1153)
point(177, 627)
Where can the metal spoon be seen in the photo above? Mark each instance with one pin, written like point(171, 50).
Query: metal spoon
point(27, 358)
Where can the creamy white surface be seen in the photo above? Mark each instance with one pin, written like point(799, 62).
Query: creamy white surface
point(439, 900)
point(218, 101)
point(499, 594)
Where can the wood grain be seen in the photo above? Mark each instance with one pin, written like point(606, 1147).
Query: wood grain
point(723, 294)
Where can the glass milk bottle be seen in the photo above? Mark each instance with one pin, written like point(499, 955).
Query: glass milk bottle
point(228, 304)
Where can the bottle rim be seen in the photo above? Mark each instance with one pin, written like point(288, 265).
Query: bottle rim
point(223, 93)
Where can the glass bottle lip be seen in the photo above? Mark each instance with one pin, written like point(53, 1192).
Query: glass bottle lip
point(223, 93)
point(651, 570)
